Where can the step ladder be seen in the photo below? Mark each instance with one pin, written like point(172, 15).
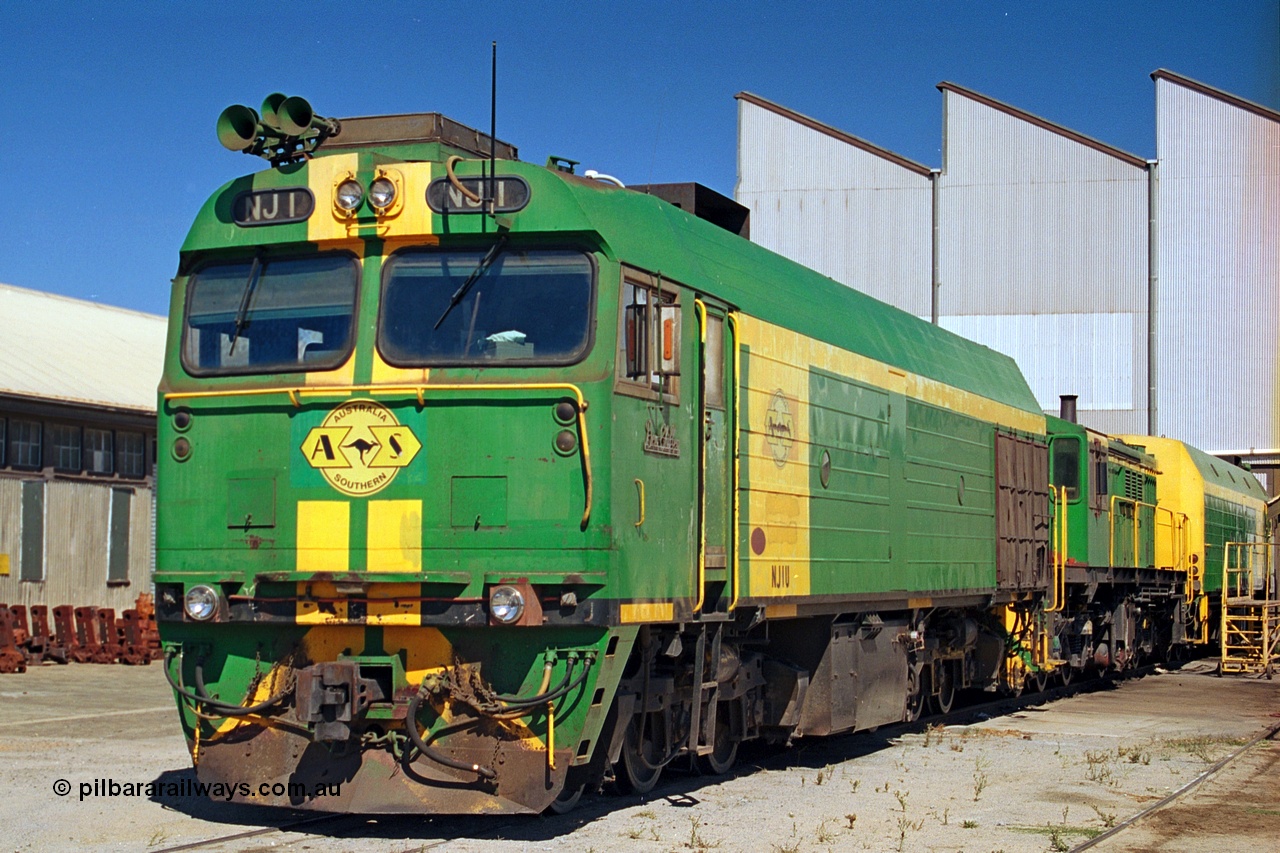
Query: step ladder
point(1250, 609)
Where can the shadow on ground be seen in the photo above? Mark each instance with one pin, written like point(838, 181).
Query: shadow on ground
point(679, 788)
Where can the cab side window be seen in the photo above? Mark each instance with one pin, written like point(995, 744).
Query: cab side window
point(1066, 466)
point(648, 354)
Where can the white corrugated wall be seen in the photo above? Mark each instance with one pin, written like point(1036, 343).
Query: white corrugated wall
point(1218, 305)
point(848, 213)
point(1043, 244)
point(75, 545)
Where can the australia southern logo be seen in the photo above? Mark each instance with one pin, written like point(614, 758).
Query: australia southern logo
point(360, 447)
point(779, 428)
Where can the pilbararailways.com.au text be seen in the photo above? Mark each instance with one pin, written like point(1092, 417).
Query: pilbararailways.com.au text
point(194, 788)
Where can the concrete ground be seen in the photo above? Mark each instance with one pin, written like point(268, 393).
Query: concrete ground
point(1044, 778)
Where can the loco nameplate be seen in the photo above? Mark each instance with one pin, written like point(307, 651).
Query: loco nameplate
point(510, 193)
point(273, 207)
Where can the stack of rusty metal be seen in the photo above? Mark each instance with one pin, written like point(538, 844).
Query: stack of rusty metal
point(80, 634)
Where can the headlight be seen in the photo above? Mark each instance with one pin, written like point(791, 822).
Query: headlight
point(349, 195)
point(506, 604)
point(382, 194)
point(201, 603)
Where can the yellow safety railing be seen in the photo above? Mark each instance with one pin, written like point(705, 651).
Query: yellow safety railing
point(295, 393)
point(1059, 550)
point(735, 427)
point(1177, 523)
point(700, 309)
point(1249, 618)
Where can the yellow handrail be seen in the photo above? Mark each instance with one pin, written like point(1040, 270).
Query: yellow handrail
point(640, 487)
point(295, 392)
point(700, 308)
point(1059, 550)
point(737, 393)
point(1178, 555)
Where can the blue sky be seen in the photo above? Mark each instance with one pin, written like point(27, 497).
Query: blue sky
point(108, 147)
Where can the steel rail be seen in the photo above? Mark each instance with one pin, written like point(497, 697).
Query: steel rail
point(1213, 770)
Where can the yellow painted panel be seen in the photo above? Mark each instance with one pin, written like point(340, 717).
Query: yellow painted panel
point(764, 337)
point(395, 536)
point(328, 608)
point(340, 376)
point(1180, 488)
point(411, 217)
point(323, 176)
point(780, 611)
point(4, 564)
point(326, 643)
point(324, 530)
point(425, 649)
point(661, 611)
point(778, 446)
point(385, 609)
point(385, 374)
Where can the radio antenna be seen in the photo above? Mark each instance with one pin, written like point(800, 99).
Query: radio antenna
point(493, 125)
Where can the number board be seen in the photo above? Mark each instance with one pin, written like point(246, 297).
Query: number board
point(273, 207)
point(510, 193)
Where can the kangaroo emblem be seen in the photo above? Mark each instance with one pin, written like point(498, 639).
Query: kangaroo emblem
point(362, 447)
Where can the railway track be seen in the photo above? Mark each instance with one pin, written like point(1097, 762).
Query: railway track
point(1210, 772)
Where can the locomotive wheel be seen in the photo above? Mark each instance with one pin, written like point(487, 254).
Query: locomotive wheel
point(642, 759)
point(942, 702)
point(567, 801)
point(1040, 681)
point(1018, 684)
point(725, 752)
point(1066, 673)
point(917, 691)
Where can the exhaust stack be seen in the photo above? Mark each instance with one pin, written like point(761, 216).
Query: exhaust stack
point(1068, 409)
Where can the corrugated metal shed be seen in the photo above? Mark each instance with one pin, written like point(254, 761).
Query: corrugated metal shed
point(69, 350)
point(836, 203)
point(1218, 304)
point(1043, 254)
point(75, 546)
point(1044, 243)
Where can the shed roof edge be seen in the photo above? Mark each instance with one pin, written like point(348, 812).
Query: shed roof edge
point(1045, 124)
point(1213, 92)
point(835, 133)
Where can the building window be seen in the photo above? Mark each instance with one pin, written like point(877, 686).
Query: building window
point(118, 538)
point(24, 444)
point(131, 454)
point(98, 451)
point(31, 558)
point(64, 447)
point(2, 440)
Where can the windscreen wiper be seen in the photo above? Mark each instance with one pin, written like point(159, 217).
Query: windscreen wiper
point(485, 262)
point(242, 313)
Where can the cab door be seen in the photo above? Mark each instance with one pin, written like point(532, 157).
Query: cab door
point(717, 451)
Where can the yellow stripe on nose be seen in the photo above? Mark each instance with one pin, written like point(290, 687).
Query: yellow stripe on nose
point(395, 536)
point(324, 536)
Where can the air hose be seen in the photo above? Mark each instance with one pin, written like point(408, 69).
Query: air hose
point(202, 697)
point(411, 729)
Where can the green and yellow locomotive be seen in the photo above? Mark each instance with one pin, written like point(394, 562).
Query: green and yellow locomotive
point(481, 482)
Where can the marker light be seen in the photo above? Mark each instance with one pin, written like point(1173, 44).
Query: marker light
point(506, 604)
point(201, 603)
point(382, 194)
point(349, 195)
